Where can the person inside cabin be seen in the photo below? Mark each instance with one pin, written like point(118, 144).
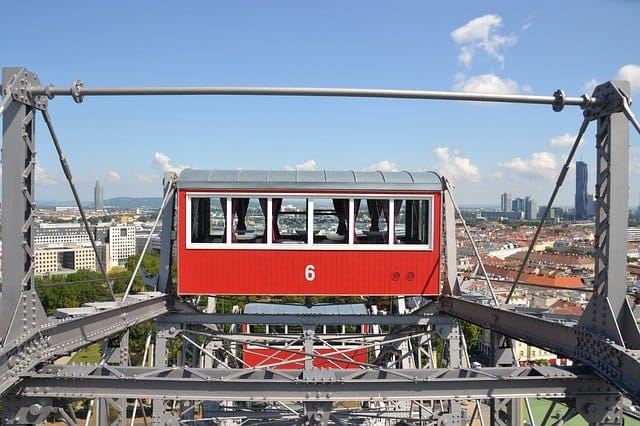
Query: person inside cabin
point(375, 207)
point(276, 204)
point(239, 207)
point(341, 207)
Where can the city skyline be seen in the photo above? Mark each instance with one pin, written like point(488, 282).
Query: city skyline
point(501, 48)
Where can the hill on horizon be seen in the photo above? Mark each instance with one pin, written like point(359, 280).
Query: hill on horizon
point(117, 202)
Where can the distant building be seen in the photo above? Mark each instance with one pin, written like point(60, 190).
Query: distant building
point(505, 203)
point(517, 205)
point(122, 244)
point(633, 234)
point(581, 198)
point(530, 208)
point(119, 242)
point(98, 197)
point(69, 257)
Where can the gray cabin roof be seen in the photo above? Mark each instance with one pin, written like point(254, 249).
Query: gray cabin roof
point(326, 309)
point(305, 179)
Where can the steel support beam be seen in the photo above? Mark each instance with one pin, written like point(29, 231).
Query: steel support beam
point(59, 337)
point(619, 365)
point(20, 309)
point(180, 383)
point(78, 91)
point(608, 312)
point(306, 319)
point(167, 237)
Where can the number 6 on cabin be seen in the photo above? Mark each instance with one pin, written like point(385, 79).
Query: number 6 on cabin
point(310, 273)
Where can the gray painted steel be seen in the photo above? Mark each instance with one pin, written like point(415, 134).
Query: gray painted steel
point(77, 91)
point(301, 318)
point(618, 364)
point(60, 337)
point(18, 178)
point(308, 180)
point(295, 309)
point(608, 312)
point(336, 385)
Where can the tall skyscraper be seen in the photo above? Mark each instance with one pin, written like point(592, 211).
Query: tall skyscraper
point(505, 202)
point(98, 197)
point(530, 208)
point(581, 190)
point(517, 205)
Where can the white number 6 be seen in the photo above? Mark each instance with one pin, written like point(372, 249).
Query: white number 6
point(310, 273)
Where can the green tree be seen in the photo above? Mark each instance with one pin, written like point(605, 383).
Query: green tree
point(472, 334)
point(150, 263)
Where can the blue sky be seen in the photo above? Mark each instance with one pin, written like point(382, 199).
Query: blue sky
point(531, 47)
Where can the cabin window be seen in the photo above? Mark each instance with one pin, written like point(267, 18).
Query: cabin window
point(290, 220)
point(249, 221)
point(331, 220)
point(318, 221)
point(412, 221)
point(207, 220)
point(371, 221)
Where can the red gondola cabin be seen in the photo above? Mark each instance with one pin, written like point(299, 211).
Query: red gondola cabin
point(315, 233)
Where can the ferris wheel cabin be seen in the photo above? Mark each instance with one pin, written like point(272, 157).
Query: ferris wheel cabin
point(311, 233)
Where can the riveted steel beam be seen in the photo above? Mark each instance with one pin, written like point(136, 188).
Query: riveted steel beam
point(59, 337)
point(337, 385)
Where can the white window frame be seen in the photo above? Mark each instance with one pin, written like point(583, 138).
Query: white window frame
point(309, 245)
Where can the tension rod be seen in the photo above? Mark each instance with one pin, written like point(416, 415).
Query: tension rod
point(559, 182)
point(78, 92)
point(67, 173)
point(630, 115)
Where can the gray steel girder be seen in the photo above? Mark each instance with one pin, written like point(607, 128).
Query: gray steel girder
point(59, 337)
point(306, 319)
point(180, 383)
point(618, 365)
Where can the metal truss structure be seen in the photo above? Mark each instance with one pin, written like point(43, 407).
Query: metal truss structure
point(405, 383)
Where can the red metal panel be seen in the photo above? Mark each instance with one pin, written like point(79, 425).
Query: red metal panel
point(293, 358)
point(262, 271)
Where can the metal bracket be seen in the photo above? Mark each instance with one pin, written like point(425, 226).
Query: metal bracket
point(599, 409)
point(19, 410)
point(558, 103)
point(609, 100)
point(19, 87)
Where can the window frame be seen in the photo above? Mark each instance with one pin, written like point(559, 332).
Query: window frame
point(309, 244)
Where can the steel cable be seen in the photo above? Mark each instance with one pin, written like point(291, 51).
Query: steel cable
point(169, 190)
point(632, 118)
point(3, 104)
point(67, 173)
point(559, 182)
point(475, 249)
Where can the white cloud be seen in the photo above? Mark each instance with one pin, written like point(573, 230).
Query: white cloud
point(540, 165)
point(384, 165)
point(630, 72)
point(564, 140)
point(143, 178)
point(112, 176)
point(528, 24)
point(42, 177)
point(489, 83)
point(162, 162)
point(482, 33)
point(307, 165)
point(589, 86)
point(454, 167)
